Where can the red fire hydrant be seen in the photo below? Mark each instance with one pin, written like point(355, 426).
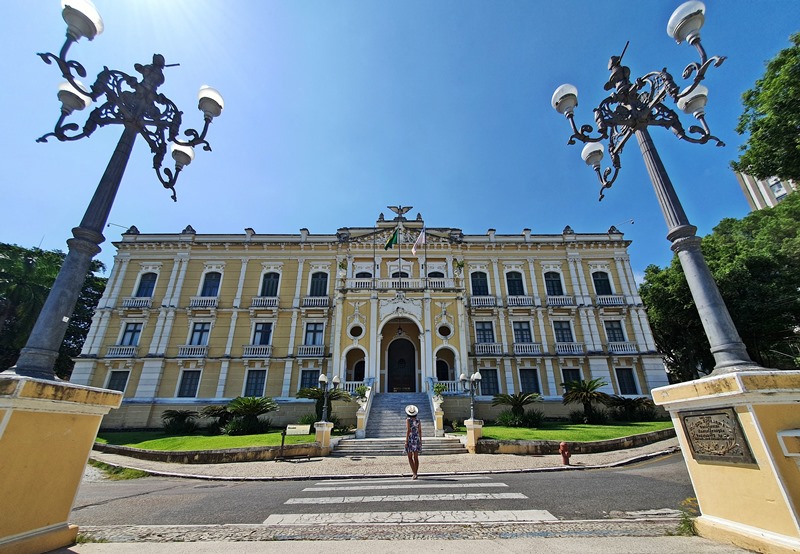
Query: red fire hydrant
point(563, 449)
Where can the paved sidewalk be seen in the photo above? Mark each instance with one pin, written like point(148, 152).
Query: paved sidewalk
point(335, 467)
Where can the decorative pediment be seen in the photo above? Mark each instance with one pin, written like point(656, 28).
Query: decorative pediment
point(151, 267)
point(214, 266)
point(357, 316)
point(399, 306)
point(598, 266)
point(272, 266)
point(320, 266)
point(551, 266)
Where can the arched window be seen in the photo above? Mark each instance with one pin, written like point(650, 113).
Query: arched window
point(602, 284)
point(269, 284)
point(552, 282)
point(358, 371)
point(211, 284)
point(480, 284)
point(442, 371)
point(319, 284)
point(436, 275)
point(147, 284)
point(363, 275)
point(514, 283)
point(399, 275)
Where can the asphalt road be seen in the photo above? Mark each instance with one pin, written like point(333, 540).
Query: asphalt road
point(660, 484)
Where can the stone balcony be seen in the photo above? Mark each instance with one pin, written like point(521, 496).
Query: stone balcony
point(121, 351)
point(482, 301)
point(141, 302)
point(560, 300)
point(519, 301)
point(488, 349)
point(569, 348)
point(192, 351)
point(622, 348)
point(203, 302)
point(610, 300)
point(315, 302)
point(311, 351)
point(527, 349)
point(264, 302)
point(257, 351)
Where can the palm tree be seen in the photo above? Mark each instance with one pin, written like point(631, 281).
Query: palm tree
point(628, 408)
point(317, 394)
point(177, 422)
point(586, 393)
point(517, 401)
point(245, 410)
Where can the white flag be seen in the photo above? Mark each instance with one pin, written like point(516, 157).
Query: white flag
point(418, 243)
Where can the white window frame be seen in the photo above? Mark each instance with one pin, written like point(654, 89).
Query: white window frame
point(124, 325)
point(255, 322)
point(488, 281)
point(622, 328)
point(305, 330)
point(246, 373)
point(593, 270)
point(635, 380)
point(571, 329)
point(180, 381)
point(156, 268)
point(538, 376)
point(212, 267)
point(311, 273)
point(494, 330)
point(192, 323)
point(522, 275)
point(560, 274)
point(127, 379)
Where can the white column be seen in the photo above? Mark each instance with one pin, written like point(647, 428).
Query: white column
point(552, 382)
point(586, 329)
point(237, 301)
point(100, 327)
point(296, 301)
point(223, 378)
point(292, 333)
point(118, 271)
point(503, 331)
point(373, 362)
point(231, 332)
point(599, 369)
point(542, 331)
point(428, 367)
point(287, 378)
point(177, 263)
point(534, 290)
point(336, 354)
point(83, 372)
point(640, 315)
point(159, 344)
point(498, 289)
point(579, 281)
point(176, 293)
point(463, 335)
point(509, 376)
point(152, 370)
point(623, 280)
point(597, 338)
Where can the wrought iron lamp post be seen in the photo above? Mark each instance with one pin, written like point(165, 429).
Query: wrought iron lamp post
point(633, 107)
point(471, 385)
point(326, 390)
point(141, 110)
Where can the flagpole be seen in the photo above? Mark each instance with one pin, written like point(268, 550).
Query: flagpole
point(425, 242)
point(374, 257)
point(399, 258)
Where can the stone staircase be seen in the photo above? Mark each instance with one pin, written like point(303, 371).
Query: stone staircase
point(386, 429)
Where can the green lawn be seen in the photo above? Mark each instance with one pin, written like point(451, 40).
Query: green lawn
point(571, 432)
point(157, 440)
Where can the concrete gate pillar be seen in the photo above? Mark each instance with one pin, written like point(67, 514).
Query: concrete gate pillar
point(740, 437)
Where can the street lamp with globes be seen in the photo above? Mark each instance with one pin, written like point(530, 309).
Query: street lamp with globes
point(630, 109)
point(471, 385)
point(141, 110)
point(326, 390)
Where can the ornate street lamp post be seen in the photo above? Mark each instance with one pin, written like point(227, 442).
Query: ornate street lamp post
point(141, 110)
point(326, 390)
point(471, 385)
point(631, 108)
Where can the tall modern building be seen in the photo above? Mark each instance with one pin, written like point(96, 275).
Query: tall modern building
point(764, 193)
point(189, 319)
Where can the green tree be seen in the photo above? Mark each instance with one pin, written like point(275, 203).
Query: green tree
point(26, 276)
point(756, 264)
point(772, 119)
point(585, 393)
point(516, 402)
point(245, 410)
point(317, 394)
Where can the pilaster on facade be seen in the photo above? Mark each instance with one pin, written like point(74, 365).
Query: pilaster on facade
point(115, 280)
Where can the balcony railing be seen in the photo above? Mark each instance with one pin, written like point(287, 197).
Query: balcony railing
point(610, 300)
point(622, 348)
point(192, 351)
point(514, 301)
point(315, 301)
point(203, 302)
point(257, 351)
point(451, 387)
point(560, 300)
point(311, 351)
point(405, 283)
point(264, 302)
point(482, 301)
point(527, 349)
point(137, 302)
point(569, 348)
point(120, 351)
point(488, 349)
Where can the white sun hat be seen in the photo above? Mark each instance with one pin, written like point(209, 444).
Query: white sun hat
point(412, 410)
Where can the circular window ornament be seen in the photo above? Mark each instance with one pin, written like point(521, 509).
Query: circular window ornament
point(356, 331)
point(444, 331)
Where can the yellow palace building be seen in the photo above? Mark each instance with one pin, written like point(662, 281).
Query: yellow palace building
point(188, 320)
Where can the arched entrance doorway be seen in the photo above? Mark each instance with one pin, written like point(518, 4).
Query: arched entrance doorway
point(401, 366)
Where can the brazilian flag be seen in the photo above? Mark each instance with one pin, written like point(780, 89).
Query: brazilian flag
point(392, 240)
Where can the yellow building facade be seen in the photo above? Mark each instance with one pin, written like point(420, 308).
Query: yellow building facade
point(189, 320)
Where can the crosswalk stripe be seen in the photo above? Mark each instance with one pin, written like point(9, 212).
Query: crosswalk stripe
point(407, 485)
point(453, 479)
point(492, 516)
point(407, 498)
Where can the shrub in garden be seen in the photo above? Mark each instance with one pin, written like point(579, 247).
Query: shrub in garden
point(179, 422)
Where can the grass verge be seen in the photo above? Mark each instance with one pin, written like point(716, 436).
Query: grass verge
point(573, 432)
point(118, 473)
point(157, 440)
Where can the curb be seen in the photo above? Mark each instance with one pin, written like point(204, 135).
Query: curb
point(610, 465)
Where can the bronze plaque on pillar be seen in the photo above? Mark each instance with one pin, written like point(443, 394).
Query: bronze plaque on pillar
point(716, 436)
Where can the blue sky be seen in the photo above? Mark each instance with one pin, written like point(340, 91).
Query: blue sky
point(334, 110)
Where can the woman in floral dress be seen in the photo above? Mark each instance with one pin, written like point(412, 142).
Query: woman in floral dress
point(413, 439)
